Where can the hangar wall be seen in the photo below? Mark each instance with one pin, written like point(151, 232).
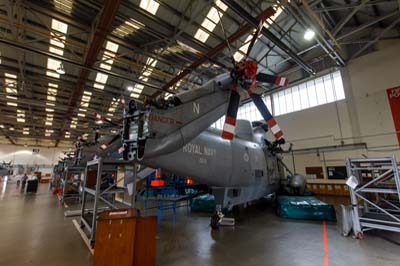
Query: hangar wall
point(364, 116)
point(24, 157)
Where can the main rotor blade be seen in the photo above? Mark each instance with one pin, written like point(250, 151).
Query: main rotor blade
point(266, 114)
point(228, 131)
point(277, 80)
point(255, 36)
point(108, 144)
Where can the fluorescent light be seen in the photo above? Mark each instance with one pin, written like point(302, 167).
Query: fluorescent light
point(135, 95)
point(309, 34)
point(128, 27)
point(52, 74)
point(12, 104)
point(150, 6)
point(1, 126)
point(98, 86)
point(63, 5)
point(50, 110)
point(130, 88)
point(8, 75)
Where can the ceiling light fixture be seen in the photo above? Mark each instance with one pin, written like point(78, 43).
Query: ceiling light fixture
point(60, 69)
point(130, 88)
point(309, 34)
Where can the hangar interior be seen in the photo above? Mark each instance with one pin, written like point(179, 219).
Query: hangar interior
point(275, 122)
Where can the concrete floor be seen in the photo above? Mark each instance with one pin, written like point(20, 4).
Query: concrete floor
point(33, 231)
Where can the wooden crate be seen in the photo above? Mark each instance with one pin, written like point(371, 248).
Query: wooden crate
point(124, 239)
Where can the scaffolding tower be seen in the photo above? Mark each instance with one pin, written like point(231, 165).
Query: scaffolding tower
point(375, 194)
point(67, 182)
point(100, 194)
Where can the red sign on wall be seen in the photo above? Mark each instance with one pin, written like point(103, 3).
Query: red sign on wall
point(394, 101)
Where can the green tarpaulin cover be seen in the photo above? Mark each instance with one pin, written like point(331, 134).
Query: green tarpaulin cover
point(296, 207)
point(203, 203)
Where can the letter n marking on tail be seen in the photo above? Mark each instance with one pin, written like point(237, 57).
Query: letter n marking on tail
point(196, 108)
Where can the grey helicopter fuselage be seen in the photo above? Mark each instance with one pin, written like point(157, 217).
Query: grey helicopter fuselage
point(179, 139)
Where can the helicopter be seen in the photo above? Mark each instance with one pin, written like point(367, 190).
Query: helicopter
point(6, 168)
point(238, 162)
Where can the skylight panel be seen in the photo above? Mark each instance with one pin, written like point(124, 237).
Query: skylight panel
point(150, 6)
point(138, 88)
point(210, 21)
point(59, 26)
point(113, 47)
point(48, 132)
point(10, 81)
point(74, 122)
point(85, 98)
point(101, 78)
point(243, 49)
point(51, 98)
point(20, 113)
point(20, 116)
point(201, 35)
point(53, 64)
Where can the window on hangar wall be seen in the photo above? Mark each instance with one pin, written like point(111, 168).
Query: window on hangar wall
point(322, 90)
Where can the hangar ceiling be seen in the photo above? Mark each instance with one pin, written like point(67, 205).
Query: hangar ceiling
point(138, 48)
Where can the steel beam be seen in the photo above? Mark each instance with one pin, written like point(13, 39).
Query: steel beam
point(366, 25)
point(377, 38)
point(254, 22)
point(350, 6)
point(346, 19)
point(210, 54)
point(101, 30)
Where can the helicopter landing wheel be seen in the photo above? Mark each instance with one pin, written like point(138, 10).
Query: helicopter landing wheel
point(214, 223)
